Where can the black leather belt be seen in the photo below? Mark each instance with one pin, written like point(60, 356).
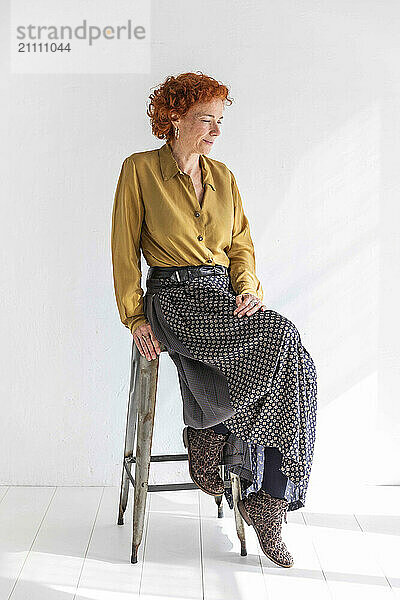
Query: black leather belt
point(180, 274)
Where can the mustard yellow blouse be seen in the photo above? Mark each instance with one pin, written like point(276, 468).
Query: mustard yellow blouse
point(156, 209)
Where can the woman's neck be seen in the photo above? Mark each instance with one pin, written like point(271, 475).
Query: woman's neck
point(187, 160)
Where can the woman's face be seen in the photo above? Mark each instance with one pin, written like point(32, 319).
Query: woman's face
point(200, 126)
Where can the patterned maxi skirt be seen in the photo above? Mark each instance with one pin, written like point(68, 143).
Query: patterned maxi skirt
point(251, 373)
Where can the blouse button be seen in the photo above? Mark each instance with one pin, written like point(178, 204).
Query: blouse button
point(200, 237)
point(197, 214)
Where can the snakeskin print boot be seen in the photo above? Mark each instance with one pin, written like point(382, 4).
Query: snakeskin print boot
point(265, 513)
point(204, 456)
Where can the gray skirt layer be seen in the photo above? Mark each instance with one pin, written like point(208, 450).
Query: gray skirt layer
point(251, 373)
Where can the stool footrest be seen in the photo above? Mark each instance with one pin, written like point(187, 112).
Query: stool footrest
point(167, 486)
point(160, 458)
point(161, 487)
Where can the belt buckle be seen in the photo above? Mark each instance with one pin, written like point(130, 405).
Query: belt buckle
point(211, 269)
point(180, 276)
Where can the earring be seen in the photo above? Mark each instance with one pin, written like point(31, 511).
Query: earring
point(176, 133)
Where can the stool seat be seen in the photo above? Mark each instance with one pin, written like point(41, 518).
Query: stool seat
point(139, 428)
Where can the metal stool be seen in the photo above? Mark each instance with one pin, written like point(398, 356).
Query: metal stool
point(141, 410)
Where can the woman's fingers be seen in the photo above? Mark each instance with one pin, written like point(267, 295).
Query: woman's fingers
point(242, 306)
point(249, 305)
point(255, 308)
point(250, 310)
point(156, 343)
point(143, 349)
point(146, 341)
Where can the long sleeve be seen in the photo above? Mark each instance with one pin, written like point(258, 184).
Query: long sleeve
point(127, 218)
point(241, 251)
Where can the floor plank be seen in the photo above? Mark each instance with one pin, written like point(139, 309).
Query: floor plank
point(172, 563)
point(382, 536)
point(107, 571)
point(22, 509)
point(349, 566)
point(226, 573)
point(53, 565)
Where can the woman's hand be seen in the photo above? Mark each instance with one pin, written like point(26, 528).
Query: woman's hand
point(248, 304)
point(146, 342)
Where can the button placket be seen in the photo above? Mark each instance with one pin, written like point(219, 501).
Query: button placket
point(198, 214)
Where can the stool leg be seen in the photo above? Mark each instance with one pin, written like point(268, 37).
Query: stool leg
point(218, 499)
point(237, 495)
point(145, 424)
point(133, 402)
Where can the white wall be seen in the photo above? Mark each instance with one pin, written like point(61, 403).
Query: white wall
point(313, 139)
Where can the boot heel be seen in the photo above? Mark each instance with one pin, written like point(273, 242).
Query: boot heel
point(243, 512)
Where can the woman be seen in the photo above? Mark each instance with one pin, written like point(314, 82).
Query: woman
point(248, 385)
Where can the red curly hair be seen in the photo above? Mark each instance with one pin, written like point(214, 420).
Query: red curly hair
point(177, 95)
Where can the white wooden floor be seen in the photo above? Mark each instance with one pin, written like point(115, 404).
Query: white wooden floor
point(64, 543)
